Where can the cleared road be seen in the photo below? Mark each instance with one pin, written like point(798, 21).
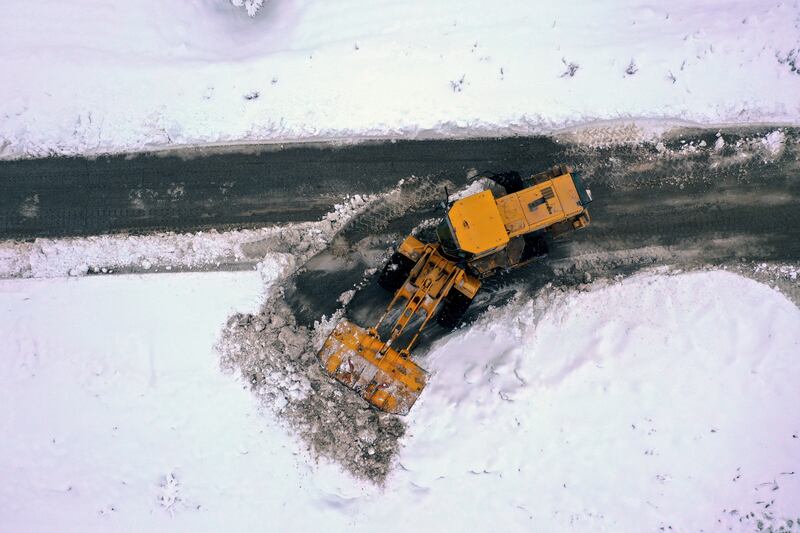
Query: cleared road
point(682, 204)
point(188, 191)
point(667, 194)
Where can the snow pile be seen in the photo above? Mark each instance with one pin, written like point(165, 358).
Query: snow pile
point(46, 258)
point(277, 357)
point(251, 6)
point(778, 271)
point(109, 253)
point(657, 402)
point(100, 76)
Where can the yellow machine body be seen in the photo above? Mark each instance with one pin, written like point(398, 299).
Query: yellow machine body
point(380, 372)
point(489, 234)
point(483, 224)
point(541, 206)
point(478, 224)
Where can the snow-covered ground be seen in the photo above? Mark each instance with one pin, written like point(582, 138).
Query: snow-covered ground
point(104, 254)
point(91, 76)
point(661, 402)
point(658, 401)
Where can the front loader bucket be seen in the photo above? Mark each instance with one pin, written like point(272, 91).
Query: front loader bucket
point(389, 381)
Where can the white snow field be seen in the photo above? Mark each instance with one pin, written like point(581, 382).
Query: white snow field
point(94, 76)
point(662, 401)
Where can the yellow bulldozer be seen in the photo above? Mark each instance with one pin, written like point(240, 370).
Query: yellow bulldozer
point(479, 236)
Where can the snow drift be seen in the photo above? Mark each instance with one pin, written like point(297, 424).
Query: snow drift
point(660, 401)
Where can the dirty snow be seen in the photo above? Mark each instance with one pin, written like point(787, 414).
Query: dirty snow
point(617, 408)
point(277, 358)
point(637, 405)
point(103, 254)
point(778, 271)
point(276, 355)
point(93, 76)
point(774, 142)
point(251, 6)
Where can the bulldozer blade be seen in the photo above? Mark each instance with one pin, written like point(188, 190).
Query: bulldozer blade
point(389, 381)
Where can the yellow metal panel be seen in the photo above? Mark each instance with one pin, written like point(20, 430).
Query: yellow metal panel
point(387, 380)
point(412, 248)
point(539, 206)
point(541, 211)
point(566, 192)
point(477, 223)
point(512, 214)
point(468, 285)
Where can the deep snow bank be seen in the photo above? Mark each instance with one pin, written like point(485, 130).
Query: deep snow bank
point(658, 401)
point(102, 254)
point(97, 76)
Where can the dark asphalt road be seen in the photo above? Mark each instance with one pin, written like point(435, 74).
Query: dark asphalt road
point(682, 202)
point(143, 193)
point(668, 196)
point(681, 194)
point(676, 204)
point(197, 190)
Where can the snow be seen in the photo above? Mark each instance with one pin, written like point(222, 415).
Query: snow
point(94, 76)
point(657, 401)
point(103, 254)
point(251, 6)
point(774, 142)
point(78, 256)
point(661, 400)
point(111, 388)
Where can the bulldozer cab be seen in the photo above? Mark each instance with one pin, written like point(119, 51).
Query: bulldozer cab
point(477, 224)
point(543, 205)
point(473, 227)
point(492, 234)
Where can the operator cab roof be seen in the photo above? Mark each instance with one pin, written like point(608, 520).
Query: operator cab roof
point(477, 223)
